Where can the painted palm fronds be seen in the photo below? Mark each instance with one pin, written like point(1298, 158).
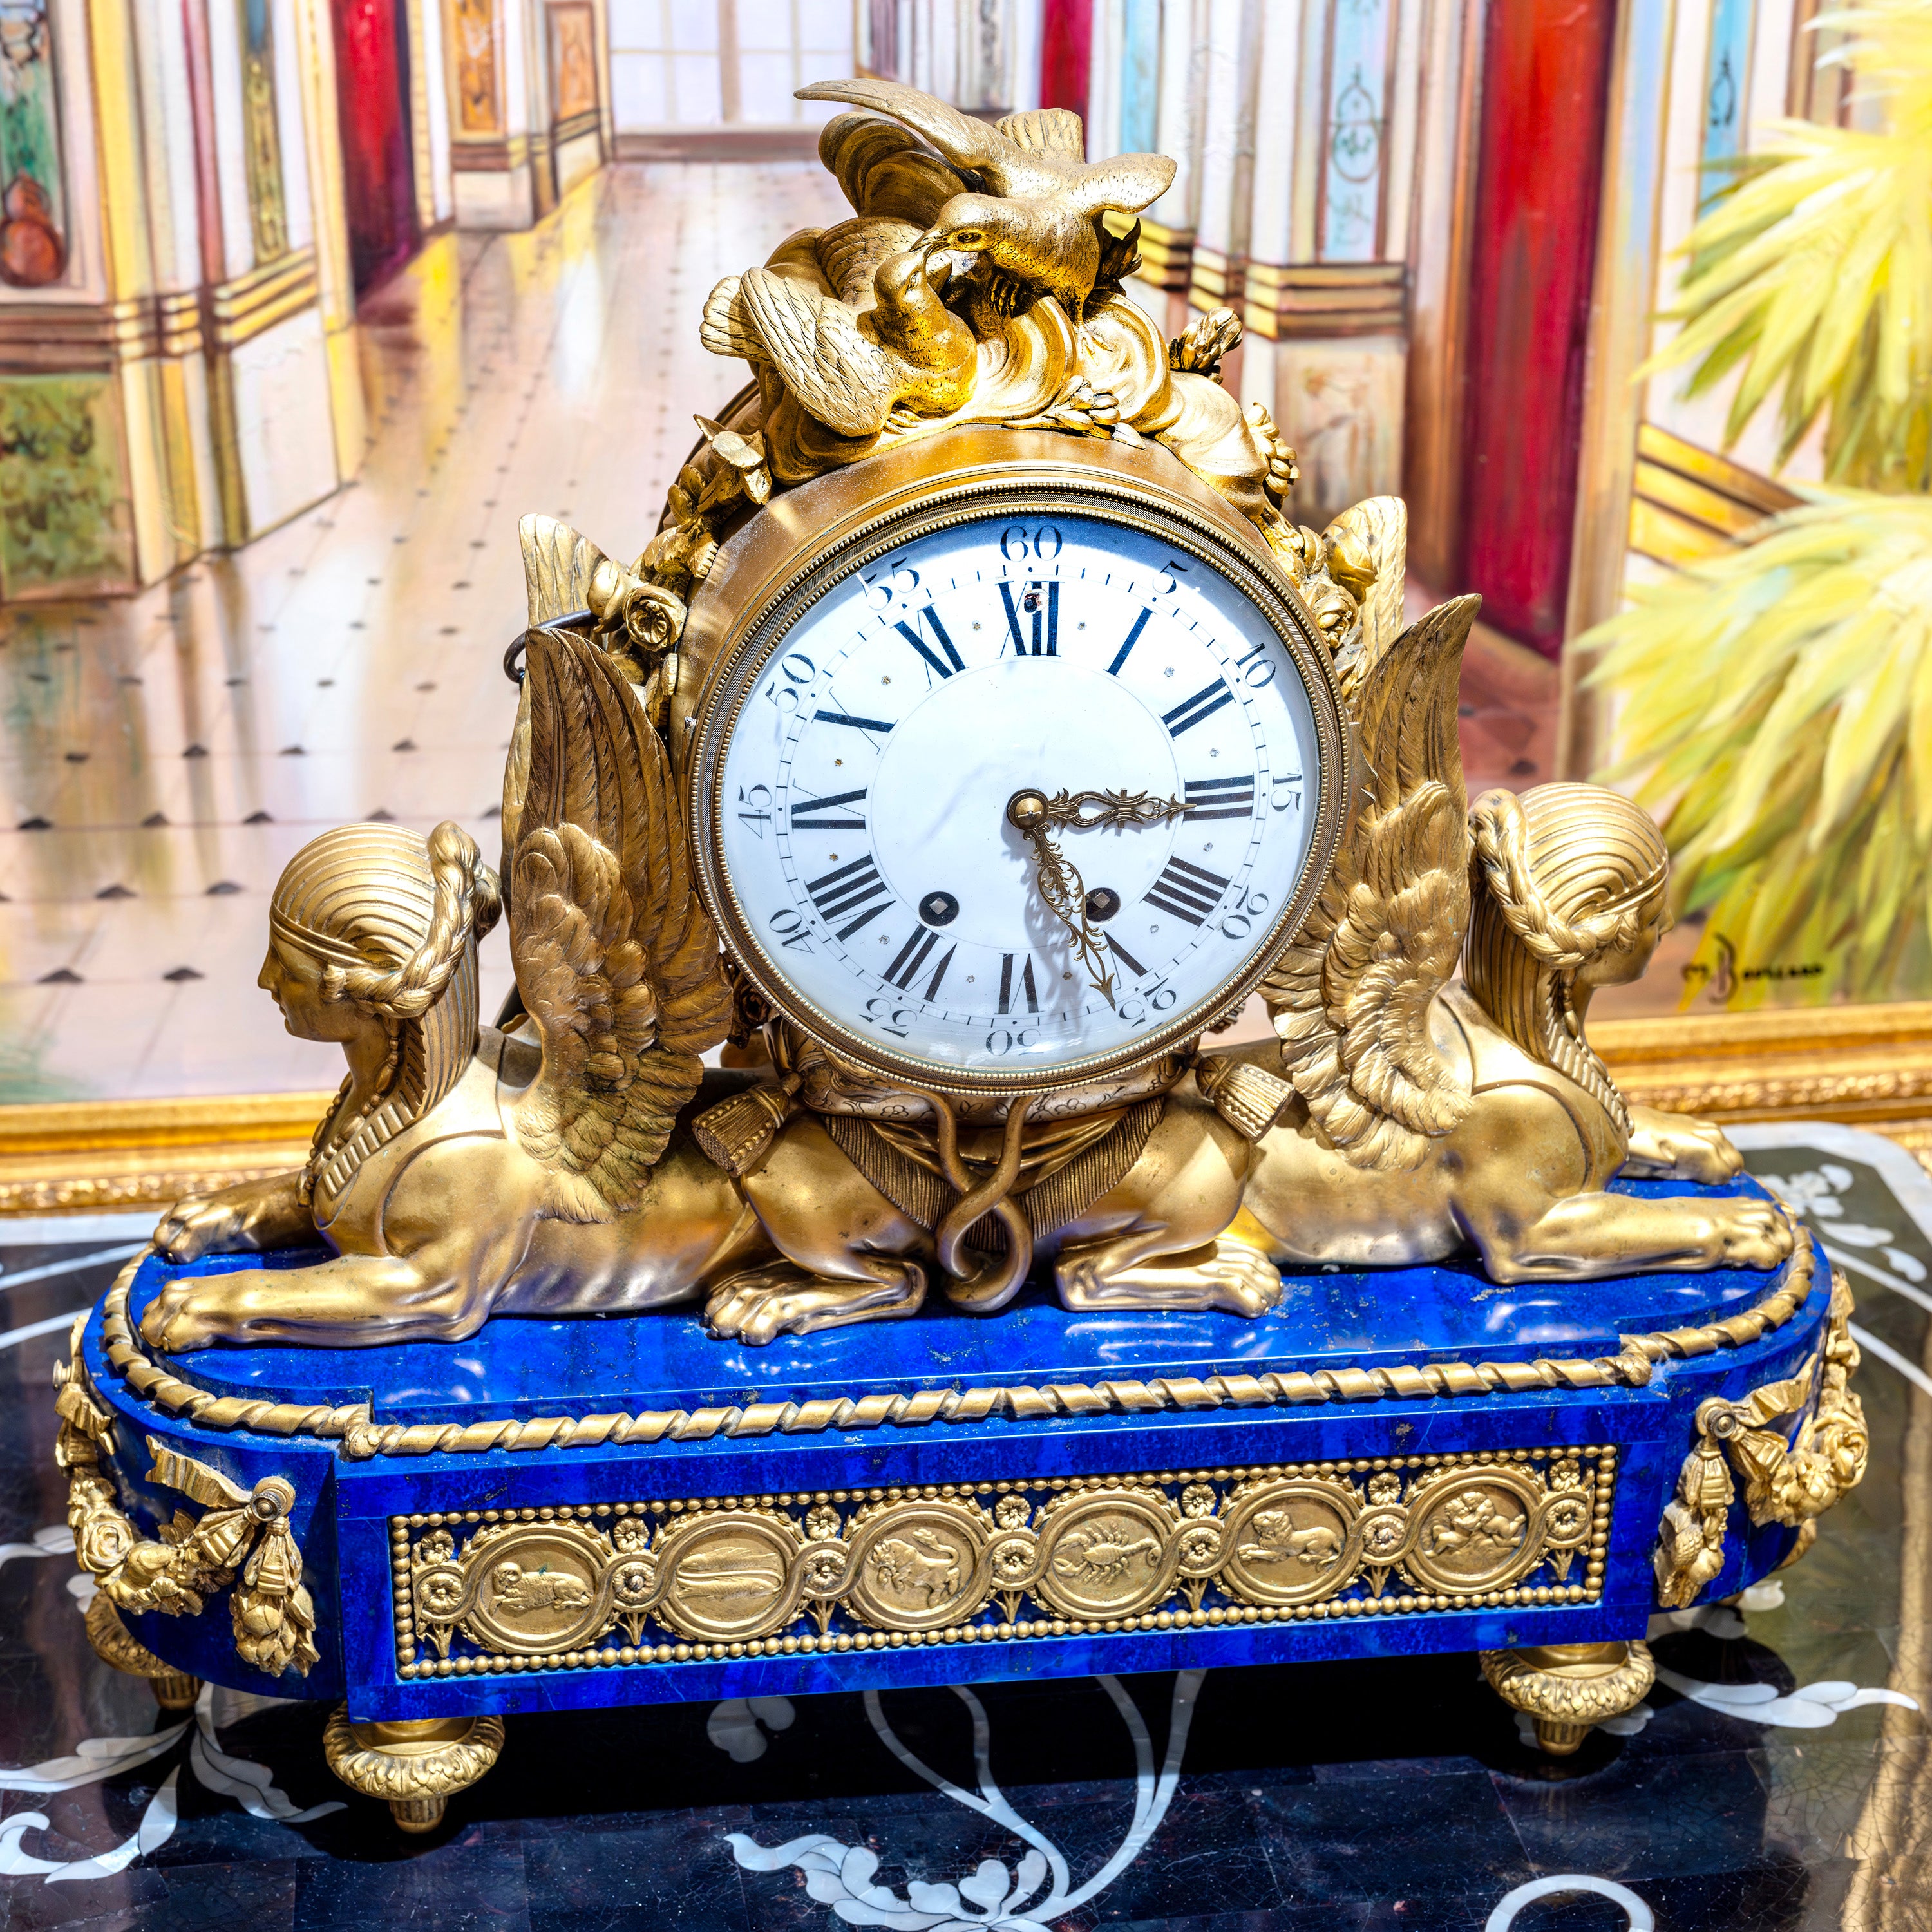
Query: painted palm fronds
point(1774, 705)
point(1813, 270)
point(1775, 712)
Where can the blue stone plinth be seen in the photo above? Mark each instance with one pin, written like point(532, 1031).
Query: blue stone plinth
point(1209, 1407)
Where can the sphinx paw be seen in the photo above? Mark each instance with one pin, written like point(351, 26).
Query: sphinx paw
point(761, 1304)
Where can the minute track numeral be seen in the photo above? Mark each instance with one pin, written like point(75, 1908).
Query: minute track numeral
point(1188, 891)
point(1189, 711)
point(821, 814)
point(911, 961)
point(853, 887)
point(1216, 798)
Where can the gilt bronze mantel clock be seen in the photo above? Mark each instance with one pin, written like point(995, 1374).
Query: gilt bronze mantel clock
point(975, 743)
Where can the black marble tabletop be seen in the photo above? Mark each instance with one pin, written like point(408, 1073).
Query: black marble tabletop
point(1777, 1778)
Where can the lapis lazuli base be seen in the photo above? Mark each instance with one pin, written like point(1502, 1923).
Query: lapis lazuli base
point(566, 1538)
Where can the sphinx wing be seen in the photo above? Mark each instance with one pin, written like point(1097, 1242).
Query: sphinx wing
point(1351, 996)
point(836, 370)
point(615, 957)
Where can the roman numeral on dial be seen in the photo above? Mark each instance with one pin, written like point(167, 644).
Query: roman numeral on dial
point(1189, 711)
point(1041, 601)
point(1025, 986)
point(1120, 656)
point(853, 887)
point(952, 660)
point(1187, 890)
point(857, 724)
point(1213, 798)
point(823, 814)
point(911, 961)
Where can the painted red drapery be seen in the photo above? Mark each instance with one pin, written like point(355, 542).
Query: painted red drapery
point(379, 182)
point(1545, 86)
point(1065, 54)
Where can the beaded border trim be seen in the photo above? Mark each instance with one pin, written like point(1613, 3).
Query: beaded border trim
point(362, 1437)
point(989, 1625)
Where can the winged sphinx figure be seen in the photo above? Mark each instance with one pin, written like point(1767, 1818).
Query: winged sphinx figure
point(581, 1159)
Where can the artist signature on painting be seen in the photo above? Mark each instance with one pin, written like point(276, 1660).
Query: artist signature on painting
point(1719, 982)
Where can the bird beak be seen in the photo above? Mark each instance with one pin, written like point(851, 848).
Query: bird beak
point(929, 241)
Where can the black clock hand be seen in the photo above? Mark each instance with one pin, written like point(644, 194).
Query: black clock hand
point(1034, 814)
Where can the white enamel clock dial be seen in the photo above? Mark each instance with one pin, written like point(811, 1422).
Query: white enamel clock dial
point(860, 806)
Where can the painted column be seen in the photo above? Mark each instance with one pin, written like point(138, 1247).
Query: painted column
point(312, 50)
point(528, 102)
point(169, 383)
point(1167, 228)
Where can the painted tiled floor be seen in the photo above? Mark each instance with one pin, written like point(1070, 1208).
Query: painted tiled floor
point(1394, 1795)
point(161, 756)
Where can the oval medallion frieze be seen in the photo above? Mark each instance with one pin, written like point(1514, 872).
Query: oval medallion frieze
point(1476, 1531)
point(539, 1588)
point(729, 1576)
point(919, 1566)
point(1105, 1555)
point(1290, 1542)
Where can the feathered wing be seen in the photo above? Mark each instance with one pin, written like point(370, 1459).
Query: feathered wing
point(838, 372)
point(1125, 183)
point(1373, 535)
point(614, 955)
point(1351, 996)
point(1046, 131)
point(851, 253)
point(884, 170)
point(557, 567)
point(964, 142)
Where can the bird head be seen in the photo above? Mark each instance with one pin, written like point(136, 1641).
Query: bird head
point(966, 223)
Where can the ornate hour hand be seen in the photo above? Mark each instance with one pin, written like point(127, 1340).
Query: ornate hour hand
point(1034, 815)
point(1092, 811)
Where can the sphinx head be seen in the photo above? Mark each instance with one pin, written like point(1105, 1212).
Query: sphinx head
point(373, 928)
point(1570, 893)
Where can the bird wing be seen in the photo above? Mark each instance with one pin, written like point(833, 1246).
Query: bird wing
point(1125, 183)
point(964, 142)
point(614, 955)
point(884, 170)
point(1351, 995)
point(850, 253)
point(838, 372)
point(1046, 131)
point(727, 328)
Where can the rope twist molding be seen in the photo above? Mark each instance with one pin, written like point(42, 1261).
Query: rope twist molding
point(363, 1437)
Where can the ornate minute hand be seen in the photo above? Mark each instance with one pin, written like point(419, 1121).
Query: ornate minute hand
point(1034, 815)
